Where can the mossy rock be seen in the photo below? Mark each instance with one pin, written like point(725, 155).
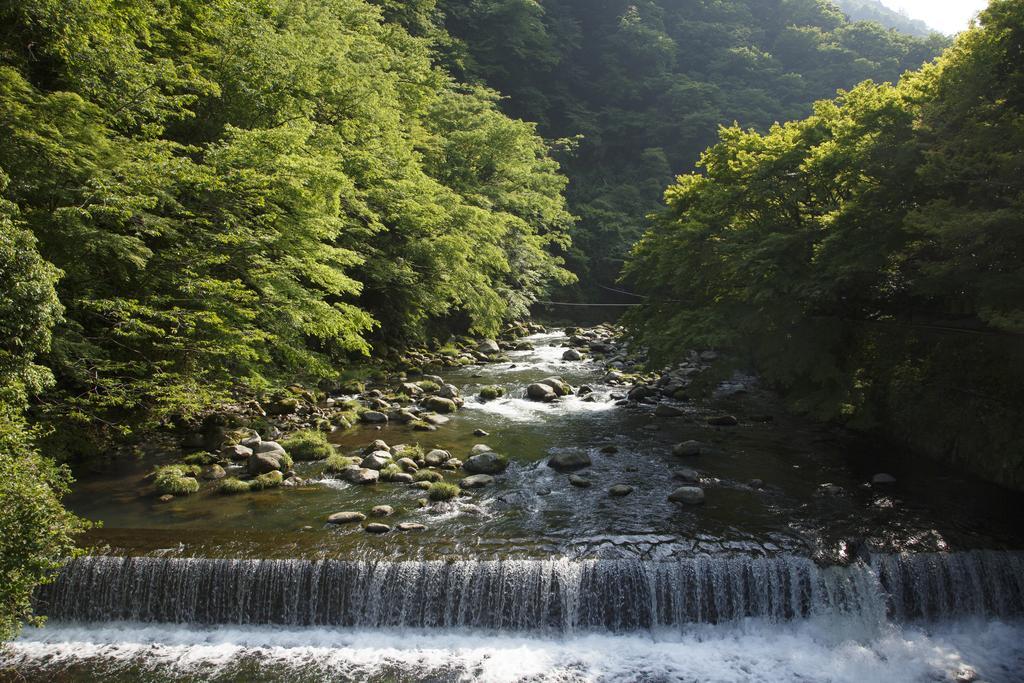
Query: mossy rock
point(428, 386)
point(200, 459)
point(489, 393)
point(269, 480)
point(308, 445)
point(427, 475)
point(177, 480)
point(440, 490)
point(337, 463)
point(233, 486)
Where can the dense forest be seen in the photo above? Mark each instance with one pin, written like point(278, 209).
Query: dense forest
point(867, 259)
point(646, 84)
point(204, 200)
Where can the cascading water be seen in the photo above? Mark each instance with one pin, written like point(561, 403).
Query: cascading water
point(535, 595)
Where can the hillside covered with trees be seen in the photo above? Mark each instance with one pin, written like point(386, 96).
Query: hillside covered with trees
point(867, 259)
point(646, 84)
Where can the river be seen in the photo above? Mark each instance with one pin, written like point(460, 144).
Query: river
point(795, 567)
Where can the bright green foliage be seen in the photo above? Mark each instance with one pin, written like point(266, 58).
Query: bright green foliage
point(389, 471)
point(176, 480)
point(308, 444)
point(491, 392)
point(867, 259)
point(427, 475)
point(647, 82)
point(36, 532)
point(242, 192)
point(268, 480)
point(231, 486)
point(440, 490)
point(336, 463)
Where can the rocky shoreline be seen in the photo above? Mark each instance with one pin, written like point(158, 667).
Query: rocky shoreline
point(251, 446)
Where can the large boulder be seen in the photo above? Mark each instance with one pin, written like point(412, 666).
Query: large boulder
point(377, 445)
point(560, 387)
point(377, 460)
point(688, 495)
point(236, 452)
point(540, 392)
point(361, 475)
point(476, 481)
point(437, 457)
point(567, 462)
point(407, 464)
point(572, 354)
point(439, 404)
point(488, 346)
point(373, 417)
point(382, 511)
point(261, 463)
point(346, 517)
point(448, 391)
point(487, 462)
point(268, 447)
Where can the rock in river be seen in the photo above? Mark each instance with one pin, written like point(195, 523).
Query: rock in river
point(540, 392)
point(572, 354)
point(689, 495)
point(261, 463)
point(485, 463)
point(723, 421)
point(620, 490)
point(558, 385)
point(346, 517)
point(439, 404)
point(476, 481)
point(567, 462)
point(488, 346)
point(361, 475)
point(377, 460)
point(382, 511)
point(410, 526)
point(578, 481)
point(883, 478)
point(688, 448)
point(665, 410)
point(377, 528)
point(437, 457)
point(373, 417)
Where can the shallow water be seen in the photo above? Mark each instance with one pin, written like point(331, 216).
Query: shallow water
point(533, 510)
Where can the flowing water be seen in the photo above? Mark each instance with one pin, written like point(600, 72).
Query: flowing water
point(535, 579)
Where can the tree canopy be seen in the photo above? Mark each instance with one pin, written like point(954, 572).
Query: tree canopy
point(867, 259)
point(646, 84)
point(236, 191)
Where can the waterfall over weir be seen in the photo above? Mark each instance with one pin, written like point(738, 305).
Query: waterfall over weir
point(558, 595)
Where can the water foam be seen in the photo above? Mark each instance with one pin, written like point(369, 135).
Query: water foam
point(752, 651)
